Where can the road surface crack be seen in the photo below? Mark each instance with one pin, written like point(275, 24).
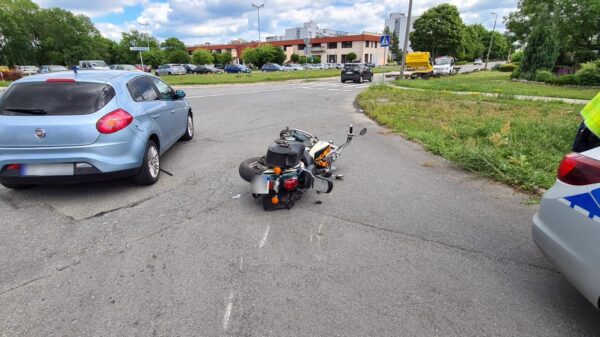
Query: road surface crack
point(445, 244)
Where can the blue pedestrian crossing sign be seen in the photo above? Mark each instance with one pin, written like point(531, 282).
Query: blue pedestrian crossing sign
point(385, 41)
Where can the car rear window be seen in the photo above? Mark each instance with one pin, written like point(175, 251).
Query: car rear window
point(351, 67)
point(55, 98)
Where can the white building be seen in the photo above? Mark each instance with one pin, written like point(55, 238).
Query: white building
point(307, 30)
point(397, 24)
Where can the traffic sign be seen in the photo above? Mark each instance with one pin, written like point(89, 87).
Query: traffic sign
point(385, 40)
point(306, 40)
point(139, 48)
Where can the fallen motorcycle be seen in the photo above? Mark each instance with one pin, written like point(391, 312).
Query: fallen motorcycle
point(294, 163)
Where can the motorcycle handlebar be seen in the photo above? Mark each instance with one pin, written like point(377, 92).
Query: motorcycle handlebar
point(351, 129)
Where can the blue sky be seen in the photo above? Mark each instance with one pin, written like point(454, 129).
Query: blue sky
point(220, 21)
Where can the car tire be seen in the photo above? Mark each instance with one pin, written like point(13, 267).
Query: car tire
point(170, 73)
point(252, 167)
point(371, 78)
point(343, 81)
point(149, 172)
point(189, 128)
point(17, 186)
point(157, 74)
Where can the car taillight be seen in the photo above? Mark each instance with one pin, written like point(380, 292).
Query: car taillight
point(13, 167)
point(576, 169)
point(290, 183)
point(114, 121)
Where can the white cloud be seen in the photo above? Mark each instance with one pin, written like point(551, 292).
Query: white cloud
point(219, 21)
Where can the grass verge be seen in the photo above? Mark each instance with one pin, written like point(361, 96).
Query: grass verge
point(254, 77)
point(516, 142)
point(4, 84)
point(497, 82)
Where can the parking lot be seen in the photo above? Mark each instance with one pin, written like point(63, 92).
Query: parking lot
point(406, 245)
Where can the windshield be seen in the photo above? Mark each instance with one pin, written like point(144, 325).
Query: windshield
point(57, 68)
point(443, 61)
point(98, 63)
point(49, 98)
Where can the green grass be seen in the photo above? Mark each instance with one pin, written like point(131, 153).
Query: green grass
point(497, 82)
point(516, 142)
point(256, 76)
point(4, 83)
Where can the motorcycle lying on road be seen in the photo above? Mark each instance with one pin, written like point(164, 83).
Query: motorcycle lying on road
point(294, 163)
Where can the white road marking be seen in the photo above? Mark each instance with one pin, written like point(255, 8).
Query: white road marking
point(581, 210)
point(565, 201)
point(240, 93)
point(228, 308)
point(264, 238)
point(241, 263)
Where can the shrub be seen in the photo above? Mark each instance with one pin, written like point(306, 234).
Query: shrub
point(516, 73)
point(507, 68)
point(589, 74)
point(11, 75)
point(565, 80)
point(544, 76)
point(517, 57)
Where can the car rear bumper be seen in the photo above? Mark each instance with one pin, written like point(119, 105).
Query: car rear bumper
point(105, 157)
point(576, 267)
point(350, 77)
point(81, 176)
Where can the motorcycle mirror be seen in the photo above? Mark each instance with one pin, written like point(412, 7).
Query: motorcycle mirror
point(363, 131)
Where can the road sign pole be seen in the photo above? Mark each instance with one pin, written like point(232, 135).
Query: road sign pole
point(406, 36)
point(142, 61)
point(384, 64)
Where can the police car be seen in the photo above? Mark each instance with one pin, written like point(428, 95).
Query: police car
point(567, 226)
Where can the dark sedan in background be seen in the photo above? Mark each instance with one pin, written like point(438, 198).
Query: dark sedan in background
point(356, 72)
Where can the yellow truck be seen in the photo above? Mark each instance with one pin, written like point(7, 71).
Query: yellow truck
point(418, 65)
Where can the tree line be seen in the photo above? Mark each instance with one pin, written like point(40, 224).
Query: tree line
point(441, 31)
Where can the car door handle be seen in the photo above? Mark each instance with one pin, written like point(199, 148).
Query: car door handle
point(155, 116)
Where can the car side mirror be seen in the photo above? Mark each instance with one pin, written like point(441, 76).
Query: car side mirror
point(179, 94)
point(363, 131)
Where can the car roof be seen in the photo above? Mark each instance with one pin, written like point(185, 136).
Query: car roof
point(100, 76)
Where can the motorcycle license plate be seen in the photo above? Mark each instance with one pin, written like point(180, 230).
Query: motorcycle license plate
point(260, 184)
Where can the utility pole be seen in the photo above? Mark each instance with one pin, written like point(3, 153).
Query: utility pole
point(258, 7)
point(406, 36)
point(491, 40)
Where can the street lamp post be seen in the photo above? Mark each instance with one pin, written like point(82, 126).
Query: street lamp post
point(258, 7)
point(146, 30)
point(406, 36)
point(491, 40)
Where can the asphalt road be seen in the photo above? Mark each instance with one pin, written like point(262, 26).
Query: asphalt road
point(405, 245)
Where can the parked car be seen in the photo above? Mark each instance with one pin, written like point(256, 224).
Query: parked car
point(237, 68)
point(93, 65)
point(478, 62)
point(269, 67)
point(206, 69)
point(190, 68)
point(146, 68)
point(317, 66)
point(444, 65)
point(4, 69)
point(356, 72)
point(170, 69)
point(51, 69)
point(292, 67)
point(125, 67)
point(370, 65)
point(27, 70)
point(68, 128)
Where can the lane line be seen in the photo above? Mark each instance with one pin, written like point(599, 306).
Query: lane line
point(264, 238)
point(240, 93)
point(228, 308)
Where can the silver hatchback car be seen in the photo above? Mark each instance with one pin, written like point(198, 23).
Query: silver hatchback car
point(170, 69)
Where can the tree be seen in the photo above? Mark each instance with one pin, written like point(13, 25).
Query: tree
point(223, 58)
point(577, 23)
point(542, 49)
point(178, 56)
point(202, 56)
point(172, 44)
point(17, 27)
point(154, 57)
point(295, 58)
point(350, 57)
point(264, 54)
point(439, 30)
point(473, 45)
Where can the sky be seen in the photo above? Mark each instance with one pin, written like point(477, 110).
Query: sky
point(220, 21)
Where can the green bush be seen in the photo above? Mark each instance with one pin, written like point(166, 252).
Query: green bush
point(588, 74)
point(517, 57)
point(565, 80)
point(516, 73)
point(507, 68)
point(462, 63)
point(544, 76)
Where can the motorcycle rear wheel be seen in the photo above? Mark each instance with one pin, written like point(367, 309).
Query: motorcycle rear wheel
point(252, 167)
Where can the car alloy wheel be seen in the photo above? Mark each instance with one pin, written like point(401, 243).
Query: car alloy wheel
point(153, 162)
point(190, 125)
